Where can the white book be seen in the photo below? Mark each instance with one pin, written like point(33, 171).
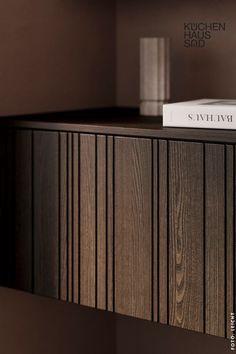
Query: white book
point(203, 113)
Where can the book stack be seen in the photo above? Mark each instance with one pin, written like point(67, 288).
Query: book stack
point(203, 113)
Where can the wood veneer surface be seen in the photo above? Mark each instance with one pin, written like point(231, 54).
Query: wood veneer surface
point(115, 121)
point(130, 222)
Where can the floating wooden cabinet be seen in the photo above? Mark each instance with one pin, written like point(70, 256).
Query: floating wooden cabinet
point(123, 217)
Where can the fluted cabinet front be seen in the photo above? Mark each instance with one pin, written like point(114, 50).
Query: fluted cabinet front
point(139, 226)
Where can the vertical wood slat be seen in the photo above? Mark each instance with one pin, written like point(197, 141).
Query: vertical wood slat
point(133, 227)
point(155, 241)
point(2, 205)
point(63, 214)
point(110, 224)
point(69, 218)
point(87, 220)
point(23, 210)
point(163, 242)
point(186, 235)
point(215, 243)
point(6, 208)
point(101, 222)
point(229, 297)
point(45, 213)
point(10, 207)
point(75, 226)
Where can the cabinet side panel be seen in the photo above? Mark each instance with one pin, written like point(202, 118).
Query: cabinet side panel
point(186, 235)
point(88, 220)
point(133, 227)
point(45, 182)
point(23, 210)
point(215, 239)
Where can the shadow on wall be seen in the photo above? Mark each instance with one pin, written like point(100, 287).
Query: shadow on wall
point(56, 55)
point(31, 324)
point(85, 54)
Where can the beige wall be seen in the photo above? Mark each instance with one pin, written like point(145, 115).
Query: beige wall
point(56, 55)
point(206, 72)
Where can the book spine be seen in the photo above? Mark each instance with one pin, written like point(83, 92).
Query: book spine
point(189, 117)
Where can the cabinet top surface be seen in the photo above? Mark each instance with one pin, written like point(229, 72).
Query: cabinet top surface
point(125, 122)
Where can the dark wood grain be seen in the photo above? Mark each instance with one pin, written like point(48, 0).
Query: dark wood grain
point(69, 218)
point(110, 223)
point(101, 222)
point(155, 233)
point(133, 227)
point(186, 235)
point(215, 239)
point(116, 122)
point(9, 210)
point(76, 221)
point(121, 222)
point(88, 220)
point(45, 176)
point(163, 228)
point(4, 210)
point(63, 214)
point(23, 210)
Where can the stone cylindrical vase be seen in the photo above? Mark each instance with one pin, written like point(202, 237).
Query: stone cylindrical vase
point(154, 75)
